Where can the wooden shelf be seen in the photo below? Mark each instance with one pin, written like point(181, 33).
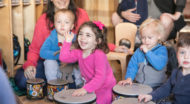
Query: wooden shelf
point(37, 2)
point(15, 2)
point(18, 17)
point(6, 43)
point(2, 3)
point(26, 2)
point(45, 2)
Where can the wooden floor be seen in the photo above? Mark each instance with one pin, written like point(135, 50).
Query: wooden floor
point(24, 100)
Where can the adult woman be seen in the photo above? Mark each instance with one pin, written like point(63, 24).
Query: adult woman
point(33, 67)
point(169, 12)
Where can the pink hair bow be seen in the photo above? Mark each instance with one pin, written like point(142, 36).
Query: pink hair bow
point(99, 24)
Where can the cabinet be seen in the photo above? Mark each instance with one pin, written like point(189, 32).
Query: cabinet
point(17, 17)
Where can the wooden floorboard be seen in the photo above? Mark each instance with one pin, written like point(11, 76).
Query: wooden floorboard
point(24, 100)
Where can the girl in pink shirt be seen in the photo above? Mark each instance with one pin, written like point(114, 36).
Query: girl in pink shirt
point(91, 46)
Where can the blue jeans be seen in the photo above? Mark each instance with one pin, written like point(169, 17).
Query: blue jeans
point(20, 79)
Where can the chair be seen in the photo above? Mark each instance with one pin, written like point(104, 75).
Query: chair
point(128, 31)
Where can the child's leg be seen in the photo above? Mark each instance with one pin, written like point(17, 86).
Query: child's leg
point(51, 69)
point(78, 77)
point(168, 24)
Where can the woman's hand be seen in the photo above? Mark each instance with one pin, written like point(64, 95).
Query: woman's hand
point(79, 92)
point(175, 16)
point(69, 36)
point(130, 16)
point(30, 72)
point(144, 98)
point(127, 81)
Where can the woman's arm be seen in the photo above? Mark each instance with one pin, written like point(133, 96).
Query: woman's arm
point(41, 32)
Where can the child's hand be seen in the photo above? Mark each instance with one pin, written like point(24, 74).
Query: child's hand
point(144, 48)
point(127, 81)
point(122, 49)
point(79, 92)
point(69, 36)
point(144, 98)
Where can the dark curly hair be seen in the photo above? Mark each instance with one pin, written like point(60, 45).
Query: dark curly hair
point(50, 12)
point(100, 35)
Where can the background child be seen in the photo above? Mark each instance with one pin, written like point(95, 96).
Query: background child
point(64, 23)
point(178, 83)
point(148, 63)
point(94, 66)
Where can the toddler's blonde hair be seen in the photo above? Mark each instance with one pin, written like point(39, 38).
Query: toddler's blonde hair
point(156, 25)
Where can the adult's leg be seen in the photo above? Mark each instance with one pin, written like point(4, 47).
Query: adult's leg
point(52, 69)
point(168, 24)
point(20, 79)
point(116, 19)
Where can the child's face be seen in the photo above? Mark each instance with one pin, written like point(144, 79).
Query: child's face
point(61, 4)
point(149, 37)
point(87, 39)
point(183, 55)
point(64, 22)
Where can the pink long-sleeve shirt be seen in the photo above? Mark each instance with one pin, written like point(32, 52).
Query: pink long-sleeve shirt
point(95, 68)
point(41, 32)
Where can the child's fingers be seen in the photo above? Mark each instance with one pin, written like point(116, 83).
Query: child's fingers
point(25, 74)
point(141, 98)
point(120, 83)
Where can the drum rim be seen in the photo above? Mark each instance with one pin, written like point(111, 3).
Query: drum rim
point(36, 82)
point(125, 95)
point(89, 102)
point(66, 83)
point(58, 85)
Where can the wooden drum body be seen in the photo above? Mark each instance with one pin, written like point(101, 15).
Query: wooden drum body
point(65, 97)
point(35, 88)
point(55, 86)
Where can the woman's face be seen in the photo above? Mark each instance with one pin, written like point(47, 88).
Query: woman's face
point(61, 4)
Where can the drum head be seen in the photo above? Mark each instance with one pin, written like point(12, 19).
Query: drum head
point(134, 90)
point(35, 81)
point(57, 82)
point(65, 97)
point(130, 101)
